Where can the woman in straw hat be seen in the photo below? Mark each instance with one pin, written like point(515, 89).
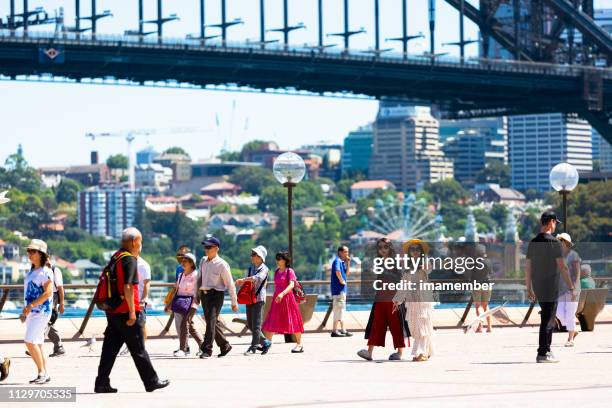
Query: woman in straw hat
point(419, 303)
point(38, 289)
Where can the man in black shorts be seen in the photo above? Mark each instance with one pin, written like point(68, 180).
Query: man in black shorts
point(544, 262)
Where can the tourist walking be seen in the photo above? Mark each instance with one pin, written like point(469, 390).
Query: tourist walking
point(284, 316)
point(586, 279)
point(339, 271)
point(182, 250)
point(568, 302)
point(544, 262)
point(58, 309)
point(185, 304)
point(144, 285)
point(215, 278)
point(257, 275)
point(419, 303)
point(123, 325)
point(383, 314)
point(38, 290)
point(480, 297)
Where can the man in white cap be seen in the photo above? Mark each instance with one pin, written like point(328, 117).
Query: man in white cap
point(258, 276)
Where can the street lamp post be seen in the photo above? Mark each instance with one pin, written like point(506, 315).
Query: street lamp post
point(564, 178)
point(289, 170)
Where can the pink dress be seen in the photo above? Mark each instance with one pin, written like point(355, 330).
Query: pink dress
point(284, 317)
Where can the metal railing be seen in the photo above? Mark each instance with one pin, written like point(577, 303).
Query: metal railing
point(303, 51)
point(6, 289)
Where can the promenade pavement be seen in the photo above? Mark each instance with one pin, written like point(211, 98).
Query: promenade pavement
point(467, 370)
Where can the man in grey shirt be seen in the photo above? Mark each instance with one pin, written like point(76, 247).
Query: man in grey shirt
point(258, 275)
point(214, 279)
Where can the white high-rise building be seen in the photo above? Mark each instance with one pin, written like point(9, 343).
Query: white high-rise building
point(539, 142)
point(406, 147)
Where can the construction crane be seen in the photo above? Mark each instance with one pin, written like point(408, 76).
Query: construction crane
point(130, 136)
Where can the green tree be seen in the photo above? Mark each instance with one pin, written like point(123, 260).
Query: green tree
point(448, 191)
point(230, 156)
point(494, 172)
point(117, 161)
point(176, 150)
point(67, 191)
point(253, 179)
point(251, 146)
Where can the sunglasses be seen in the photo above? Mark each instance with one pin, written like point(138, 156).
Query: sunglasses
point(384, 246)
point(31, 251)
point(208, 246)
point(253, 254)
point(414, 248)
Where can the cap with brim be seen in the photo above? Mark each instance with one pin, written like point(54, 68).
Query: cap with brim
point(191, 257)
point(549, 215)
point(415, 241)
point(212, 241)
point(38, 245)
point(261, 251)
point(565, 237)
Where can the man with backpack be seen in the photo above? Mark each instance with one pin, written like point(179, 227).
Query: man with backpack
point(117, 294)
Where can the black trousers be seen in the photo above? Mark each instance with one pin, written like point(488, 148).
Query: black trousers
point(116, 334)
point(212, 304)
point(254, 314)
point(547, 325)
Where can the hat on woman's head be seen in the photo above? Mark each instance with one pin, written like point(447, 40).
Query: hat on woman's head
point(415, 241)
point(565, 237)
point(191, 257)
point(38, 245)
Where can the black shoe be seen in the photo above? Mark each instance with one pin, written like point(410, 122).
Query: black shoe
point(225, 352)
point(158, 385)
point(205, 355)
point(28, 353)
point(57, 353)
point(251, 350)
point(104, 389)
point(346, 334)
point(4, 369)
point(266, 347)
point(336, 334)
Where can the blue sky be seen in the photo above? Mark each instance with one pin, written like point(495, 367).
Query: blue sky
point(50, 120)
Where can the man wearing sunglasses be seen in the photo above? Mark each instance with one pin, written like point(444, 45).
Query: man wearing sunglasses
point(214, 279)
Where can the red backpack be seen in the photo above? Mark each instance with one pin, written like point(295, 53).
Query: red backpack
point(108, 295)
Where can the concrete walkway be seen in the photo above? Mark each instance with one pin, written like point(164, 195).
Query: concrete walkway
point(496, 369)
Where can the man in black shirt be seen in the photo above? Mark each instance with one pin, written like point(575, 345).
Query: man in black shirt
point(122, 326)
point(543, 264)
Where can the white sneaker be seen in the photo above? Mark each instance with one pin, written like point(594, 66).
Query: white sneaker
point(569, 344)
point(179, 353)
point(42, 379)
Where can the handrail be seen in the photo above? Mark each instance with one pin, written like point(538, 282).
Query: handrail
point(304, 283)
point(299, 51)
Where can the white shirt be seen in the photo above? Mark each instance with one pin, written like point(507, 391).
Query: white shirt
point(58, 279)
point(144, 274)
point(216, 274)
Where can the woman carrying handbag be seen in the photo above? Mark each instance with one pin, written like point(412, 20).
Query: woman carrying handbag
point(185, 303)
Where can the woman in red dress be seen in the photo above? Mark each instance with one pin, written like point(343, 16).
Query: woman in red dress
point(284, 316)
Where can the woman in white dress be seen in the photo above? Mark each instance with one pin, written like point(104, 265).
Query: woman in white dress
point(419, 303)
